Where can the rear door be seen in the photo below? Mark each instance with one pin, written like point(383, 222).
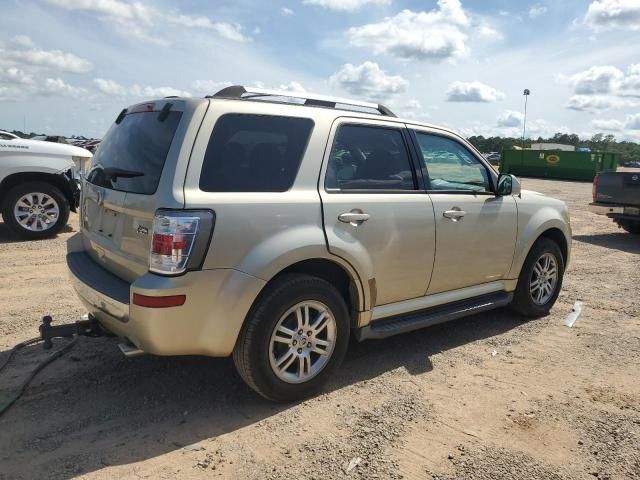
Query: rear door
point(475, 229)
point(375, 216)
point(135, 170)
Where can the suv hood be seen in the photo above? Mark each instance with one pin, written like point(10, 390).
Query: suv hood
point(20, 155)
point(42, 147)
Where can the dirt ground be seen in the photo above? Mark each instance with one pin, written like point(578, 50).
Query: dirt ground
point(485, 397)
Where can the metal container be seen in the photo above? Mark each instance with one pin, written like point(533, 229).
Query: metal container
point(557, 164)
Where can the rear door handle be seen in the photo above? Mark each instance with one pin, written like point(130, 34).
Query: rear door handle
point(353, 218)
point(454, 214)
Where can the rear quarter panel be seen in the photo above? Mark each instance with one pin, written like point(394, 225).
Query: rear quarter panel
point(262, 233)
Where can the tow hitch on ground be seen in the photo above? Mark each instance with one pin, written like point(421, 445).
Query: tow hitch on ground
point(87, 327)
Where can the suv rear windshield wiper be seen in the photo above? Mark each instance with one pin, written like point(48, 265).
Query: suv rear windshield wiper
point(111, 173)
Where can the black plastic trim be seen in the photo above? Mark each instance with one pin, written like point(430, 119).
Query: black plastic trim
point(408, 322)
point(85, 269)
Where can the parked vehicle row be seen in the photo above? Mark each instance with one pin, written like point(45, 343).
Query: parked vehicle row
point(39, 185)
point(247, 225)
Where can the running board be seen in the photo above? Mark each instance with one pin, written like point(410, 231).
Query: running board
point(408, 322)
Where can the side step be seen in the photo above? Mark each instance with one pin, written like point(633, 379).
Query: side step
point(408, 322)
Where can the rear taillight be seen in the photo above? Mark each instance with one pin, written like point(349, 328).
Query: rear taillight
point(179, 240)
point(594, 191)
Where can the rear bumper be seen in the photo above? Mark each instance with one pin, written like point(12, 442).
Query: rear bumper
point(605, 208)
point(217, 302)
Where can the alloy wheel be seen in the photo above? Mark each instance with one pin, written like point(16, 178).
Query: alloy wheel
point(36, 211)
point(302, 342)
point(544, 279)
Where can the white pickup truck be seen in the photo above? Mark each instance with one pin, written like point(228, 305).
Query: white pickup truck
point(38, 185)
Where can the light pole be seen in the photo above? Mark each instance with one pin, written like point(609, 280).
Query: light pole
point(526, 94)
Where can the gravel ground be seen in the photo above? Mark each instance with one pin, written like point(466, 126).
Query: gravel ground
point(552, 402)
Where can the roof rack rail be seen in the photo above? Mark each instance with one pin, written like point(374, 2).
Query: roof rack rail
point(241, 92)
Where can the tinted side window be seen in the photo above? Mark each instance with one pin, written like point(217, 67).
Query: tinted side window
point(369, 158)
point(254, 153)
point(450, 166)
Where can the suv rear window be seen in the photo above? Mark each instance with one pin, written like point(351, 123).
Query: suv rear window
point(254, 153)
point(131, 156)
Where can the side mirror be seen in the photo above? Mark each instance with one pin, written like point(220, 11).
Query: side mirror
point(508, 185)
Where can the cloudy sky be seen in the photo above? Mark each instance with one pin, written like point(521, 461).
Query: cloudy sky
point(69, 66)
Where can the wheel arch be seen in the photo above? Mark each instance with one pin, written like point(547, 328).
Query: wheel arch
point(553, 227)
point(556, 235)
point(345, 280)
point(55, 179)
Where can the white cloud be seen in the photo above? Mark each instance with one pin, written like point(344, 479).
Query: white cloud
point(608, 125)
point(435, 35)
point(138, 20)
point(510, 118)
point(23, 52)
point(472, 92)
point(57, 86)
point(292, 86)
point(536, 10)
point(631, 84)
point(633, 122)
point(589, 103)
point(487, 31)
point(157, 92)
point(209, 87)
point(16, 76)
point(367, 80)
point(597, 79)
point(230, 31)
point(22, 41)
point(345, 5)
point(287, 12)
point(112, 88)
point(109, 87)
point(609, 14)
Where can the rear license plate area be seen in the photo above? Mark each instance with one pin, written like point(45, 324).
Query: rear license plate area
point(108, 223)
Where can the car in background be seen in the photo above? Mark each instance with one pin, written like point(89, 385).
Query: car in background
point(50, 138)
point(493, 158)
point(617, 195)
point(39, 185)
point(4, 135)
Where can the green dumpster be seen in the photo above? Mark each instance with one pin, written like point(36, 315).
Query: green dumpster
point(557, 164)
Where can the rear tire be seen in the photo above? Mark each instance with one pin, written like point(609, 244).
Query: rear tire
point(47, 201)
point(540, 280)
point(631, 226)
point(269, 359)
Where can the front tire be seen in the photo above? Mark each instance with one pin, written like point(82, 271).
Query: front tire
point(540, 280)
point(35, 210)
point(294, 338)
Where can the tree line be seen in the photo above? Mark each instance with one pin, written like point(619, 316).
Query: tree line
point(626, 150)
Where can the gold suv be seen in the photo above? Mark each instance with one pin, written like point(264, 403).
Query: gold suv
point(273, 225)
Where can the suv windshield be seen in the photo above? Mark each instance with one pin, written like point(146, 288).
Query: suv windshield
point(131, 156)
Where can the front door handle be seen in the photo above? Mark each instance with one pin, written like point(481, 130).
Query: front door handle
point(455, 214)
point(354, 218)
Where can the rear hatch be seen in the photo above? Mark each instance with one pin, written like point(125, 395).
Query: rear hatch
point(138, 168)
point(621, 188)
